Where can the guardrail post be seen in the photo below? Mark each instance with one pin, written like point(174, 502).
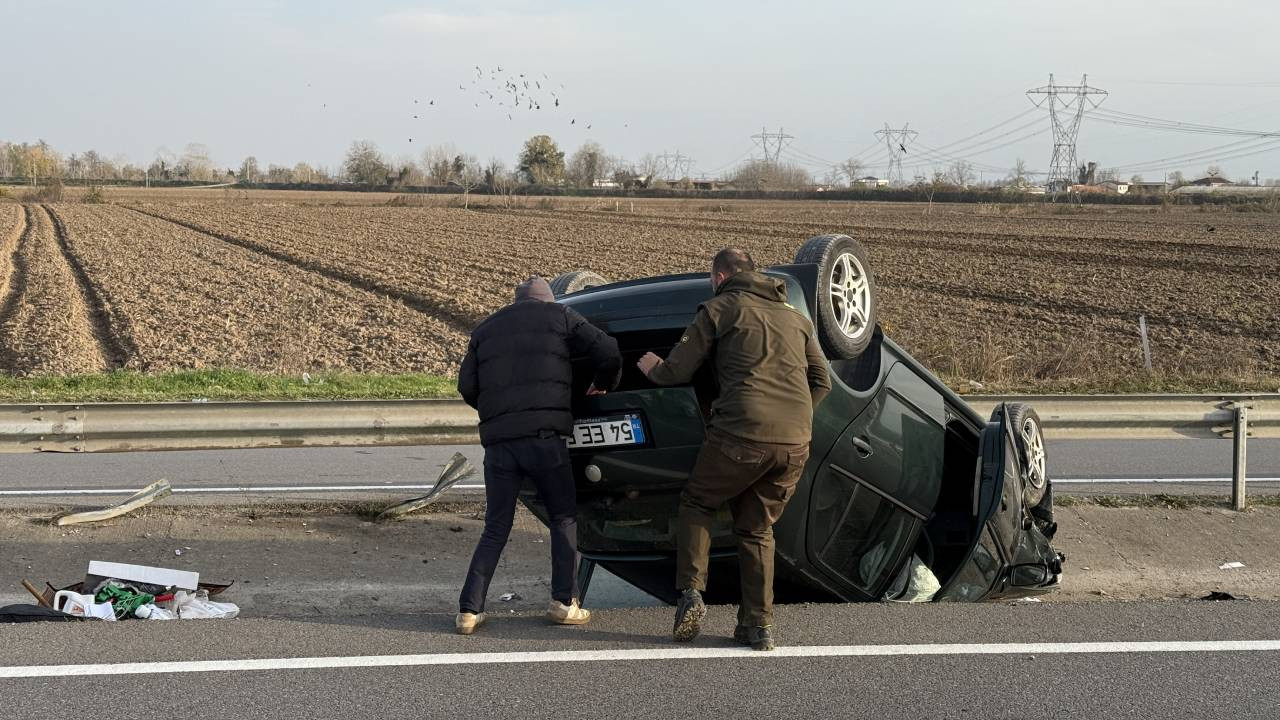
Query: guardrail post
point(1240, 433)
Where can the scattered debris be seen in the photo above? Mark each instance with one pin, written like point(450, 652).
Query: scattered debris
point(145, 496)
point(1231, 566)
point(457, 469)
point(118, 591)
point(508, 597)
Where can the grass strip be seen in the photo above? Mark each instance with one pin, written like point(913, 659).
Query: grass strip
point(188, 385)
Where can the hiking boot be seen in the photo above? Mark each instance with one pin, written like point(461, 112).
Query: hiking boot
point(467, 622)
point(571, 614)
point(689, 613)
point(759, 638)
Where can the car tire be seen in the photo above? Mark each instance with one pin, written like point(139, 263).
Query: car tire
point(846, 296)
point(1028, 432)
point(576, 281)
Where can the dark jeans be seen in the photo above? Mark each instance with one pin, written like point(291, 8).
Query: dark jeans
point(545, 462)
point(756, 480)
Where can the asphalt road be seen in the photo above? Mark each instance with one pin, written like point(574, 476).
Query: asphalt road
point(1163, 659)
point(1110, 466)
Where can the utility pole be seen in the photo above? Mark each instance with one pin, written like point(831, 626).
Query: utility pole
point(1067, 104)
point(772, 143)
point(896, 142)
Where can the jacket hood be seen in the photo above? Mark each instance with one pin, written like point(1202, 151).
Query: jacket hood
point(535, 288)
point(756, 283)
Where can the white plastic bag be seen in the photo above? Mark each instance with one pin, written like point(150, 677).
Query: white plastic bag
point(923, 584)
point(198, 606)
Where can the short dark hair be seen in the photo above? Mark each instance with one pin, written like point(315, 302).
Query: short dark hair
point(732, 261)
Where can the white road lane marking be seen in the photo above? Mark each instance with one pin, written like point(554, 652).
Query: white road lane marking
point(692, 653)
point(270, 489)
point(283, 489)
point(1070, 481)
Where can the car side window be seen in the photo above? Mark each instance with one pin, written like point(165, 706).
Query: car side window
point(976, 576)
point(867, 538)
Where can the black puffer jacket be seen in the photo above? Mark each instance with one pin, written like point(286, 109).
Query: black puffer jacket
point(518, 372)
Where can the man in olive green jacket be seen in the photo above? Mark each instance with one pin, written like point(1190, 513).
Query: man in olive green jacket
point(771, 375)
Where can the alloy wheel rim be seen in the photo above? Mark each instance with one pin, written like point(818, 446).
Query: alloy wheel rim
point(1033, 441)
point(850, 293)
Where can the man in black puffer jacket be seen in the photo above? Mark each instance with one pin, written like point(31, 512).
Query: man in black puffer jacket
point(518, 374)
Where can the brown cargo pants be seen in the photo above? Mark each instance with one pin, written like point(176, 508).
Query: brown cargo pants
point(756, 480)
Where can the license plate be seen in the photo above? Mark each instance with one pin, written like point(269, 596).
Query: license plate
point(607, 431)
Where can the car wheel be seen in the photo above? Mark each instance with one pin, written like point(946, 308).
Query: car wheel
point(1029, 434)
point(572, 282)
point(846, 295)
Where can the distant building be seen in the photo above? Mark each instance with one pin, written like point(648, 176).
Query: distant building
point(1106, 187)
point(870, 182)
point(1227, 189)
point(1149, 187)
point(1211, 181)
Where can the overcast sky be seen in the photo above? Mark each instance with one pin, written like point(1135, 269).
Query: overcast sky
point(299, 81)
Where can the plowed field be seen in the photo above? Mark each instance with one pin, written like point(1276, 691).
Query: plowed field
point(978, 292)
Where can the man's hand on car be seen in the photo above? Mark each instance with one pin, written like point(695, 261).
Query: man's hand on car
point(648, 363)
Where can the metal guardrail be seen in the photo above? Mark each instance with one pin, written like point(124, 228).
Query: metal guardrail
point(116, 427)
point(119, 427)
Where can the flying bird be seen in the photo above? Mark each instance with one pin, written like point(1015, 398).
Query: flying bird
point(573, 121)
point(557, 102)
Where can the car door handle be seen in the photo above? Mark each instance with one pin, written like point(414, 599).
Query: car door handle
point(864, 447)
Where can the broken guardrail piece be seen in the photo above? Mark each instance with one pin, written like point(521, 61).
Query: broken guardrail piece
point(459, 468)
point(145, 496)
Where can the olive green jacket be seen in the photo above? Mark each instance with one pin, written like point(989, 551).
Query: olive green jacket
point(771, 371)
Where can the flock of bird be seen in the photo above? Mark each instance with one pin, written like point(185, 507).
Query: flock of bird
point(507, 92)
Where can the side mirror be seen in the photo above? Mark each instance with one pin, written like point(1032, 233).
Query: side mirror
point(1032, 575)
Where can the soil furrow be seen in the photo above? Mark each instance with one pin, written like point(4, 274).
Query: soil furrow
point(116, 347)
point(15, 284)
point(46, 326)
point(460, 321)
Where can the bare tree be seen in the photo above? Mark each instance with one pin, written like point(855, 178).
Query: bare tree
point(852, 169)
point(764, 175)
point(645, 169)
point(364, 164)
point(437, 162)
point(588, 164)
point(468, 174)
point(249, 171)
point(961, 174)
point(1018, 175)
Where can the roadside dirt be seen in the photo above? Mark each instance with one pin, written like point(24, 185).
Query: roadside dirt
point(340, 565)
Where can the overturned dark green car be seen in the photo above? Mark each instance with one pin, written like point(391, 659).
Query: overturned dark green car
point(908, 493)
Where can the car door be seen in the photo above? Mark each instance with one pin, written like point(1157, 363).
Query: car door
point(876, 488)
point(996, 503)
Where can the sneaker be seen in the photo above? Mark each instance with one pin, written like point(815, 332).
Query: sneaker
point(689, 613)
point(468, 622)
point(571, 614)
point(759, 638)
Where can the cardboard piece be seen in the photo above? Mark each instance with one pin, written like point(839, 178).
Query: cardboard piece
point(164, 577)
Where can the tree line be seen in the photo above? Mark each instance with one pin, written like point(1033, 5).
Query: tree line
point(541, 162)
